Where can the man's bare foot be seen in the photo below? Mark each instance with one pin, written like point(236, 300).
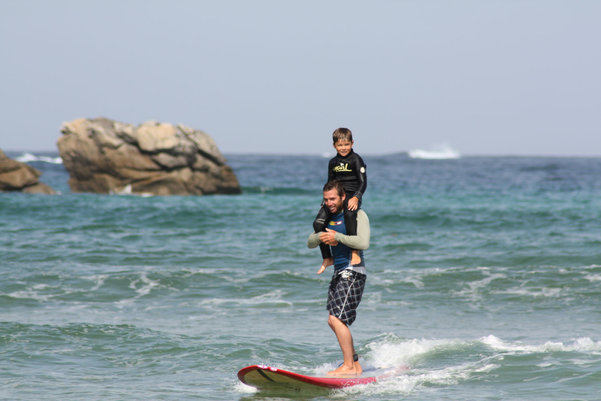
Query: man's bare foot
point(345, 371)
point(358, 368)
point(326, 262)
point(355, 258)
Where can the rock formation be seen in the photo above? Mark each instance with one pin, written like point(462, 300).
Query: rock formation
point(17, 176)
point(105, 156)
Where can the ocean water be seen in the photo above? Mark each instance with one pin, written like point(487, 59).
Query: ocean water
point(484, 278)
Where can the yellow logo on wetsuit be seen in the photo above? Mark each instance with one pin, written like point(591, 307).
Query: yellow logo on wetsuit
point(341, 168)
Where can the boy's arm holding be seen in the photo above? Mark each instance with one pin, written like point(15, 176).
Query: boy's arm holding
point(361, 175)
point(331, 165)
point(353, 203)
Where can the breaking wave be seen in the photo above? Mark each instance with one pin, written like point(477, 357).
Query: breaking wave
point(30, 157)
point(437, 152)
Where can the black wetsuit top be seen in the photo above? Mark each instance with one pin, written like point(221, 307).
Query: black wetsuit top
point(350, 170)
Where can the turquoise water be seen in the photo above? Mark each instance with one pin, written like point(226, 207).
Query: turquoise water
point(484, 278)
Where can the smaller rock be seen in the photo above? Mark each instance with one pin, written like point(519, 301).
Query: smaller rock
point(17, 176)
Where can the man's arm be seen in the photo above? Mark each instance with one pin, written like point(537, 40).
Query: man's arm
point(359, 241)
point(313, 240)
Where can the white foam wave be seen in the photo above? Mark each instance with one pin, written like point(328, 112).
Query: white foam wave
point(143, 285)
point(584, 344)
point(127, 190)
point(533, 292)
point(388, 354)
point(275, 297)
point(29, 157)
point(437, 152)
point(593, 277)
point(243, 388)
point(98, 280)
point(30, 294)
point(419, 365)
point(475, 288)
point(392, 352)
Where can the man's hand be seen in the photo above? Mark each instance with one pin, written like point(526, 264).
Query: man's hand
point(353, 203)
point(328, 237)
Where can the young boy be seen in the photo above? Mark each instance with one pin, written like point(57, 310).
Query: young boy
point(347, 167)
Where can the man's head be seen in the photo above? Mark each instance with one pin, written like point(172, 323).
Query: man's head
point(334, 196)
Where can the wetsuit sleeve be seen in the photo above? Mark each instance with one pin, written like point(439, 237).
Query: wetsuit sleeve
point(359, 167)
point(331, 165)
point(359, 241)
point(313, 240)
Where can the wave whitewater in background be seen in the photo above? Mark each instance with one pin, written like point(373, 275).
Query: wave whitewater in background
point(438, 152)
point(29, 157)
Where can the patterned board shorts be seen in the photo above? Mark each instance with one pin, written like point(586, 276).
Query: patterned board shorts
point(344, 295)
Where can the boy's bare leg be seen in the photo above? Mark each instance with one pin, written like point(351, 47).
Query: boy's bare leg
point(355, 258)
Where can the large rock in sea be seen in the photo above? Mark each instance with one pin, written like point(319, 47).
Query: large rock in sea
point(105, 156)
point(17, 176)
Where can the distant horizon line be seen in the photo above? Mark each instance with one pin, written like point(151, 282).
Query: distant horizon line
point(332, 154)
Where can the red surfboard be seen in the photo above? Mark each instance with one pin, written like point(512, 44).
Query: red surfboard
point(269, 378)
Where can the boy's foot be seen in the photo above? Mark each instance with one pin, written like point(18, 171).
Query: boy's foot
point(326, 262)
point(355, 258)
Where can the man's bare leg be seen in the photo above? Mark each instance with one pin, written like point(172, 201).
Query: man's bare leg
point(345, 339)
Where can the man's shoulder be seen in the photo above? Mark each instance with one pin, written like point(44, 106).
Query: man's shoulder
point(362, 213)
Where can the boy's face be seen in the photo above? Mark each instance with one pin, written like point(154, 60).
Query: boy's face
point(343, 147)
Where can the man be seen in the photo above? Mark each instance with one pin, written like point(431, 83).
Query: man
point(348, 281)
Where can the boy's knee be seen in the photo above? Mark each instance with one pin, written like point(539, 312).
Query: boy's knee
point(352, 213)
point(319, 225)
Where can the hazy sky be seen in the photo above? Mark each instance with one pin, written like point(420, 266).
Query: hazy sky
point(485, 77)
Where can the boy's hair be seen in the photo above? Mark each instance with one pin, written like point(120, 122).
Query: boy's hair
point(334, 184)
point(342, 134)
